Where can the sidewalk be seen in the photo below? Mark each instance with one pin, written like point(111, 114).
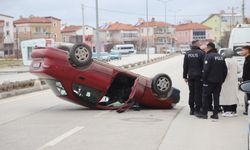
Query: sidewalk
point(190, 133)
point(14, 69)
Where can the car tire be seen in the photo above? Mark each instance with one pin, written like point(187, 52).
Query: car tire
point(80, 55)
point(63, 47)
point(161, 85)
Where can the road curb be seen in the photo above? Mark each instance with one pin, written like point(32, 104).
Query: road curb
point(145, 63)
point(22, 91)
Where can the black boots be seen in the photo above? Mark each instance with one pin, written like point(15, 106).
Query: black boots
point(215, 116)
point(191, 112)
point(201, 115)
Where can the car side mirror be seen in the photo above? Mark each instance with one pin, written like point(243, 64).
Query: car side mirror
point(245, 87)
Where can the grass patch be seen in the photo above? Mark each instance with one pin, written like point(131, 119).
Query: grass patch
point(10, 63)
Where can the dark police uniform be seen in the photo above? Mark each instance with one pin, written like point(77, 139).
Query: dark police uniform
point(214, 74)
point(246, 77)
point(192, 71)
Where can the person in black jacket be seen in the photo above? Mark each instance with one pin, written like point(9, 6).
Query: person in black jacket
point(214, 74)
point(192, 74)
point(246, 72)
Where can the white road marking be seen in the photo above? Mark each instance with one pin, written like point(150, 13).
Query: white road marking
point(61, 138)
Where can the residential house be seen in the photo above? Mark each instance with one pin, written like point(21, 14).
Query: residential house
point(119, 33)
point(7, 35)
point(38, 27)
point(186, 33)
point(55, 31)
point(1, 38)
point(160, 34)
point(73, 34)
point(222, 23)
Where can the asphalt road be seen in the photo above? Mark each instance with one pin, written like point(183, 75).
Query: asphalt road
point(42, 121)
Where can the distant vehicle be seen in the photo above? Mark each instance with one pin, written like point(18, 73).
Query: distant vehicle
point(245, 87)
point(184, 48)
point(240, 37)
point(222, 50)
point(115, 55)
point(103, 56)
point(74, 76)
point(125, 49)
point(171, 50)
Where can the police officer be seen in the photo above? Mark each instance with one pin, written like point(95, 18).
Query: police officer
point(214, 74)
point(192, 74)
point(210, 106)
point(246, 73)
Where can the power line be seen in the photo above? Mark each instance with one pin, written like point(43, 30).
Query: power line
point(143, 14)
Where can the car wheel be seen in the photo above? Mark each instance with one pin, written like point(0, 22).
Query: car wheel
point(161, 85)
point(80, 55)
point(63, 47)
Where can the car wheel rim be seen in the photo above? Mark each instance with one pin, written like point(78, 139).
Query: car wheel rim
point(81, 54)
point(163, 84)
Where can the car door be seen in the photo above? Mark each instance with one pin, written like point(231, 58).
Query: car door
point(137, 90)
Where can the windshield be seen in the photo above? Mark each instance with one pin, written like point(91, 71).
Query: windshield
point(115, 53)
point(87, 94)
point(57, 87)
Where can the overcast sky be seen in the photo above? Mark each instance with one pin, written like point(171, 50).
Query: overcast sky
point(126, 11)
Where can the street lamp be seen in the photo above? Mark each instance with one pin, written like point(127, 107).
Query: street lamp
point(243, 11)
point(166, 30)
point(83, 24)
point(17, 42)
point(97, 45)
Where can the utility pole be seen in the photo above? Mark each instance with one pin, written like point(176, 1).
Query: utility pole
point(232, 18)
point(97, 45)
point(243, 11)
point(83, 25)
point(17, 43)
point(166, 28)
point(147, 25)
point(220, 28)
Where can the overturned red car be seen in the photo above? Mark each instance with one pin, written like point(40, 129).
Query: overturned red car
point(74, 76)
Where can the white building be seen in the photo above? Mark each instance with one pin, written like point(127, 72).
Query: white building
point(7, 45)
point(119, 33)
point(161, 34)
point(73, 34)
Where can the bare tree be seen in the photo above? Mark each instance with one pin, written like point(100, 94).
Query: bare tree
point(225, 39)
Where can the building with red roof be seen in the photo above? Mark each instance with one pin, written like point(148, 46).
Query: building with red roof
point(188, 32)
point(74, 34)
point(161, 34)
point(34, 27)
point(119, 33)
point(1, 34)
